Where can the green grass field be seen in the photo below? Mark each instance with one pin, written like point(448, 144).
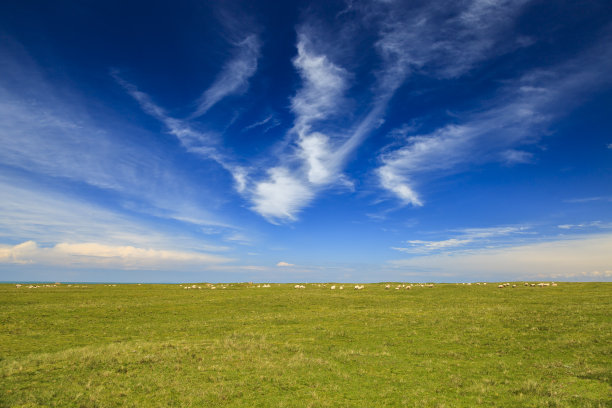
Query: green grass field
point(446, 346)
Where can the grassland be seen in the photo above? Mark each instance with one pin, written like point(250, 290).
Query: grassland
point(446, 346)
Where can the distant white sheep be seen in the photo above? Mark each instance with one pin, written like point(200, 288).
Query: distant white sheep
point(359, 287)
point(333, 287)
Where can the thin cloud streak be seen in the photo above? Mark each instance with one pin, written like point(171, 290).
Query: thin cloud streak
point(234, 77)
point(584, 225)
point(204, 144)
point(466, 238)
point(270, 120)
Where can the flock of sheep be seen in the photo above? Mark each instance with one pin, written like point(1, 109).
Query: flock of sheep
point(300, 286)
point(54, 285)
point(541, 284)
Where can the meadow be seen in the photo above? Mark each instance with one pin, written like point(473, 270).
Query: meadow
point(448, 345)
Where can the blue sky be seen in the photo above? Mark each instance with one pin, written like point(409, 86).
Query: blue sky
point(351, 141)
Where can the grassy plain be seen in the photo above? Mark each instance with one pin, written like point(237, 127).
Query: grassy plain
point(446, 346)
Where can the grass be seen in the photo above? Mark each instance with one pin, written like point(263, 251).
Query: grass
point(446, 346)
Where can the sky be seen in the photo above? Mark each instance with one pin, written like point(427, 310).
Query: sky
point(305, 141)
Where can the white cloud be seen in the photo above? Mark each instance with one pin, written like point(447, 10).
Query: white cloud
point(323, 85)
point(50, 131)
point(435, 245)
point(512, 156)
point(407, 41)
point(315, 150)
point(291, 186)
point(189, 138)
point(95, 255)
point(239, 238)
point(281, 196)
point(481, 233)
point(53, 133)
point(468, 236)
point(399, 185)
point(586, 200)
point(234, 76)
point(516, 117)
point(445, 39)
point(284, 264)
point(204, 144)
point(269, 120)
point(571, 258)
point(592, 224)
point(33, 212)
point(452, 147)
point(321, 97)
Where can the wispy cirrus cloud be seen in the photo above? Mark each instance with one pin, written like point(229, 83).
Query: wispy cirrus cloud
point(267, 123)
point(466, 238)
point(233, 79)
point(54, 133)
point(47, 130)
point(410, 39)
point(582, 200)
point(234, 76)
point(32, 211)
point(514, 119)
point(585, 225)
point(206, 144)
